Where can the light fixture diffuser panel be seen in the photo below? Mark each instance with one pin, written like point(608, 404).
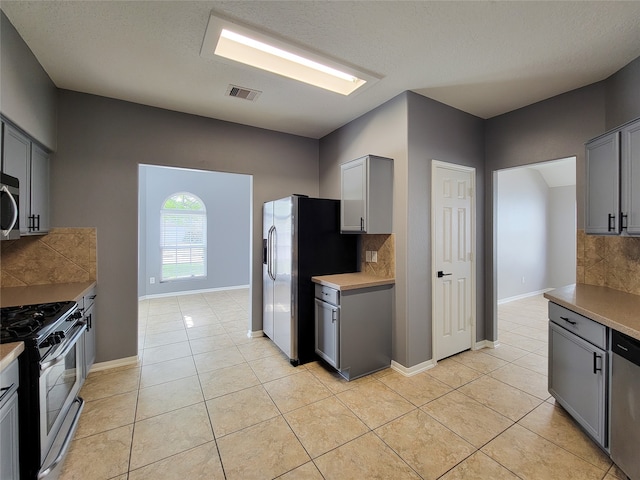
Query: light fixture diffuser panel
point(237, 43)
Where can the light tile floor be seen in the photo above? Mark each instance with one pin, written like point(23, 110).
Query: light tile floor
point(206, 402)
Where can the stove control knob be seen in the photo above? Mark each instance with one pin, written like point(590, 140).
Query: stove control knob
point(74, 316)
point(60, 336)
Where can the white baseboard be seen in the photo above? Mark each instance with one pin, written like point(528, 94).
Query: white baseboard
point(524, 295)
point(411, 371)
point(120, 362)
point(192, 292)
point(255, 333)
point(485, 344)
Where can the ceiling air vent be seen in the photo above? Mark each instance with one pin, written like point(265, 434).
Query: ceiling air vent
point(242, 92)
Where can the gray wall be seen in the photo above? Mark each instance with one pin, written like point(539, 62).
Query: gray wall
point(27, 94)
point(227, 198)
point(548, 130)
point(521, 232)
point(623, 95)
point(383, 132)
point(436, 132)
point(94, 182)
point(562, 257)
point(412, 130)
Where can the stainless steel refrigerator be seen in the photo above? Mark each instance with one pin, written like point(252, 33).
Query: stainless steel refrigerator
point(301, 239)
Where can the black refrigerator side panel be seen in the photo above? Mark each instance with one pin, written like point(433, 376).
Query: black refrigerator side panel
point(322, 250)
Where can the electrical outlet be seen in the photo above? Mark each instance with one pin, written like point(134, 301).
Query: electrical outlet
point(152, 280)
point(374, 256)
point(367, 256)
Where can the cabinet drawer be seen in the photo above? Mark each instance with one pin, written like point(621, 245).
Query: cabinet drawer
point(328, 294)
point(584, 327)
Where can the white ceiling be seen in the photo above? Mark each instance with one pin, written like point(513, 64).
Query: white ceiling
point(485, 58)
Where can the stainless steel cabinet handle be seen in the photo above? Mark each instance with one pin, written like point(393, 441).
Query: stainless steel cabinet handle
point(334, 315)
point(568, 321)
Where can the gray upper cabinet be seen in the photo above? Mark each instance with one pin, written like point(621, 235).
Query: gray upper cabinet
point(367, 195)
point(630, 146)
point(25, 160)
point(603, 185)
point(613, 182)
point(39, 190)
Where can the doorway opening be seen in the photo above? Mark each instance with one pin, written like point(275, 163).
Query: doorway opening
point(535, 241)
point(194, 245)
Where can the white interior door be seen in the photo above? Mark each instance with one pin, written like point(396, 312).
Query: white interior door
point(453, 245)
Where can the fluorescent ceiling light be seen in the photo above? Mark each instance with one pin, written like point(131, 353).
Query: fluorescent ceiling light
point(251, 48)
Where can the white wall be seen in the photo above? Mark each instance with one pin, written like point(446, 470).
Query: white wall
point(536, 233)
point(227, 198)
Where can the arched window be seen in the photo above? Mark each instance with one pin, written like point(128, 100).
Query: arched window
point(183, 237)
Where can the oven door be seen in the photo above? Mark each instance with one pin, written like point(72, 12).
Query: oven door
point(60, 381)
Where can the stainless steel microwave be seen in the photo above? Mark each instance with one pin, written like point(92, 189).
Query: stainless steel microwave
point(9, 207)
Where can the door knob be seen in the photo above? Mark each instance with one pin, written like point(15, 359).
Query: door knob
point(442, 274)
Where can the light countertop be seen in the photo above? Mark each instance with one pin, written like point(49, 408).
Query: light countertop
point(612, 308)
point(56, 292)
point(352, 281)
point(9, 352)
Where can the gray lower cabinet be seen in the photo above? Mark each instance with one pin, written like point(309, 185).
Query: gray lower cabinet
point(328, 332)
point(9, 432)
point(578, 370)
point(353, 329)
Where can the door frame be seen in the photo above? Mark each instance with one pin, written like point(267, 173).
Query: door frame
point(435, 164)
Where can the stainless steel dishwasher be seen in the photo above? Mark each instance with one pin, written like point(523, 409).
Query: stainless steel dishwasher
point(625, 404)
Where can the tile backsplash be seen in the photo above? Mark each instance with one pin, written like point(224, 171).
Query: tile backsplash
point(64, 255)
point(611, 261)
point(385, 245)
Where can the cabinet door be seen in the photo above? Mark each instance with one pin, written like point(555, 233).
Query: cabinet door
point(327, 332)
point(577, 380)
point(630, 146)
point(9, 469)
point(353, 204)
point(39, 190)
point(15, 161)
point(603, 185)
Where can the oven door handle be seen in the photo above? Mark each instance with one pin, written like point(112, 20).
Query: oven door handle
point(65, 444)
point(71, 343)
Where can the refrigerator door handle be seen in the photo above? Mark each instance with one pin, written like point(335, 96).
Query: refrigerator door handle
point(274, 253)
point(270, 253)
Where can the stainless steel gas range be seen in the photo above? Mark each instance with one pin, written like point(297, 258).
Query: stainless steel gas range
point(50, 378)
